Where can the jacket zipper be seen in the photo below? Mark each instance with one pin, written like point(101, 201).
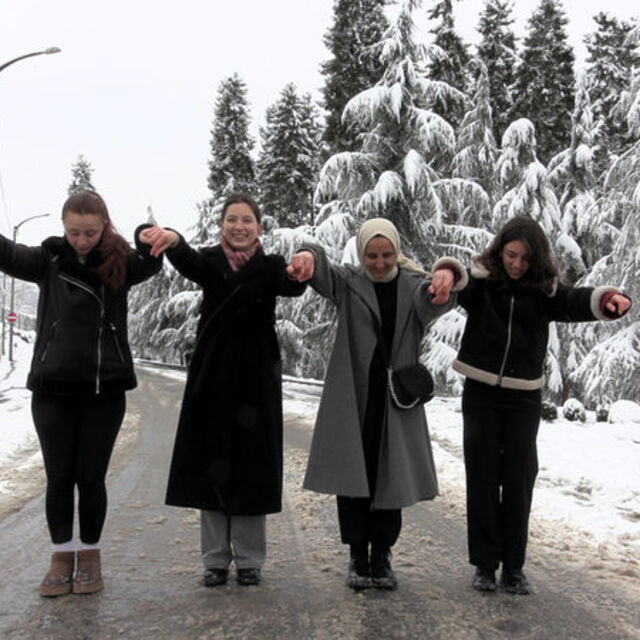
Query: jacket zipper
point(91, 292)
point(506, 349)
point(115, 340)
point(52, 331)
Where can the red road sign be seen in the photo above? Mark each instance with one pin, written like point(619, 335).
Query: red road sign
point(12, 317)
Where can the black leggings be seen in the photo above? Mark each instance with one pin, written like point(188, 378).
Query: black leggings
point(77, 435)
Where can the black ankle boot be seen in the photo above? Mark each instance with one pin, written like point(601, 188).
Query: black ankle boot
point(382, 575)
point(484, 580)
point(514, 581)
point(358, 573)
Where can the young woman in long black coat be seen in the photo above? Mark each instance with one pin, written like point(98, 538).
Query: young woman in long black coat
point(227, 459)
point(80, 371)
point(514, 292)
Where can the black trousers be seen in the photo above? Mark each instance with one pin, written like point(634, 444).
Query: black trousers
point(360, 524)
point(76, 435)
point(501, 462)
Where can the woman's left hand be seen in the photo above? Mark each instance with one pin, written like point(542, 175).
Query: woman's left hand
point(618, 304)
point(441, 285)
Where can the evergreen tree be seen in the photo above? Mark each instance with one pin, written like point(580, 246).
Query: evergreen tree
point(571, 174)
point(544, 87)
point(497, 49)
point(288, 165)
point(608, 354)
point(525, 182)
point(449, 66)
point(609, 66)
point(476, 149)
point(354, 66)
point(81, 175)
point(393, 174)
point(231, 166)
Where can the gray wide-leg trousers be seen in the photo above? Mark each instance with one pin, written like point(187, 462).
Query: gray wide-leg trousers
point(224, 538)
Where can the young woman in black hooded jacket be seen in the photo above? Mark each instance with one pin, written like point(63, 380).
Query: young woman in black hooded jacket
point(80, 371)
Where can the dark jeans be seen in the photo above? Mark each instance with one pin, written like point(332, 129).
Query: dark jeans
point(501, 462)
point(77, 435)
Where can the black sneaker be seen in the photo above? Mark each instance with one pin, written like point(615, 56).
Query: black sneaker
point(248, 577)
point(358, 575)
point(484, 580)
point(515, 582)
point(215, 577)
point(382, 575)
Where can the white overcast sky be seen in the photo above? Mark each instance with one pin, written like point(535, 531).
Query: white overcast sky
point(134, 86)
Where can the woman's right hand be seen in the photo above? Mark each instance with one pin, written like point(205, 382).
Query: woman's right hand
point(160, 239)
point(302, 266)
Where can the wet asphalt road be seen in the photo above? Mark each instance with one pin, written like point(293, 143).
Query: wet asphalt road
point(153, 575)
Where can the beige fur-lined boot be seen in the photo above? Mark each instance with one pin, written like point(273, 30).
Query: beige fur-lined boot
point(88, 578)
point(57, 582)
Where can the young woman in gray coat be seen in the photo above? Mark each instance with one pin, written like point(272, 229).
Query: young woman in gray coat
point(374, 457)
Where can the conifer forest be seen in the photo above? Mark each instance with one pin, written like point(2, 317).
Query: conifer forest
point(449, 141)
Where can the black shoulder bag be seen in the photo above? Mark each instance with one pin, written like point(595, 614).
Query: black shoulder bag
point(408, 386)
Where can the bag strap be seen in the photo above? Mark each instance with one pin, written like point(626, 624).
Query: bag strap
point(217, 311)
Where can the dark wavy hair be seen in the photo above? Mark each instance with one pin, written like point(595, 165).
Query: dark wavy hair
point(544, 270)
point(241, 197)
point(113, 248)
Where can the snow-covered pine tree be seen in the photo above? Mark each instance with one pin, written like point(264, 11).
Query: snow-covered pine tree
point(571, 174)
point(392, 174)
point(497, 49)
point(477, 151)
point(167, 308)
point(543, 91)
point(610, 368)
point(353, 67)
point(288, 165)
point(525, 182)
point(231, 166)
point(451, 66)
point(609, 67)
point(81, 176)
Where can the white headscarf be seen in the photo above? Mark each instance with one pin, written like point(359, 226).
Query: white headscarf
point(385, 228)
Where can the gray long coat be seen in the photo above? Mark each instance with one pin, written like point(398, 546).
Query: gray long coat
point(406, 471)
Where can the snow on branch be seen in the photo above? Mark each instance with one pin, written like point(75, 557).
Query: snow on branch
point(388, 188)
point(433, 132)
point(345, 175)
point(364, 108)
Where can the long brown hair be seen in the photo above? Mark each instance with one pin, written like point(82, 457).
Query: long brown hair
point(543, 272)
point(114, 249)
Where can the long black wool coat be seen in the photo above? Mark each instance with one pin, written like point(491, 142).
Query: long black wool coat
point(228, 450)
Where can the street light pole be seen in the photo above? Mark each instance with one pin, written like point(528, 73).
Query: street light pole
point(46, 51)
point(13, 280)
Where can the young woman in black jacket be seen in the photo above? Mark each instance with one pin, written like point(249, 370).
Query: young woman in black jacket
point(514, 292)
point(80, 371)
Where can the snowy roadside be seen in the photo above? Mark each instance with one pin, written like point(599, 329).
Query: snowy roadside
point(586, 503)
